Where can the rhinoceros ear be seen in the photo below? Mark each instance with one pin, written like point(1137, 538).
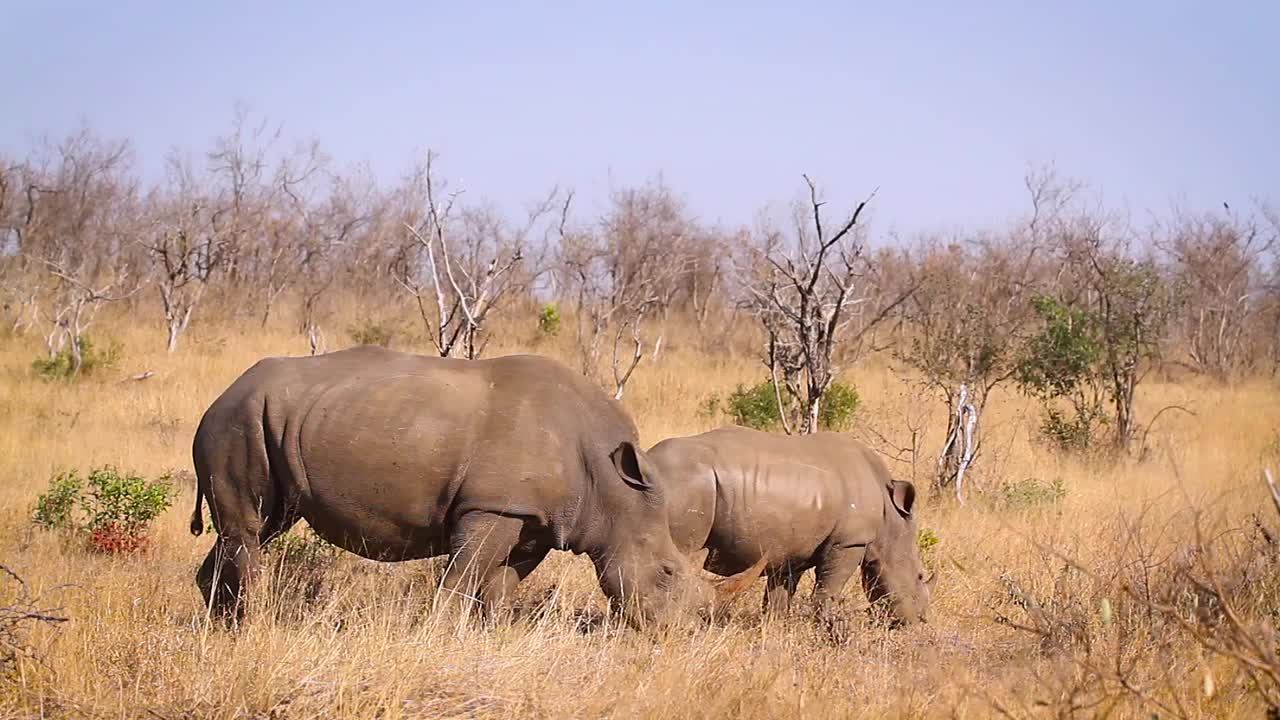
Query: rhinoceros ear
point(633, 466)
point(903, 495)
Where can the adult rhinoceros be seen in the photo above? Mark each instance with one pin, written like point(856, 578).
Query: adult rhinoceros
point(395, 456)
point(822, 501)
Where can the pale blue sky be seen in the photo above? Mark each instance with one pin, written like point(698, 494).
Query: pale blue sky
point(941, 105)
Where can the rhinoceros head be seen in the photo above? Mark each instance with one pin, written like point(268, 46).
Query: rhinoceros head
point(892, 572)
point(643, 573)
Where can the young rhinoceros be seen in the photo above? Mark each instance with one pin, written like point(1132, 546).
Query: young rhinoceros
point(822, 501)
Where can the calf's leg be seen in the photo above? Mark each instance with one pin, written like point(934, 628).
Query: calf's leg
point(780, 587)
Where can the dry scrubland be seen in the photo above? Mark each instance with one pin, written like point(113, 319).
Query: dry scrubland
point(349, 638)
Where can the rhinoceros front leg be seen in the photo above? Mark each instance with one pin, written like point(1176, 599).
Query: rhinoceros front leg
point(833, 570)
point(484, 563)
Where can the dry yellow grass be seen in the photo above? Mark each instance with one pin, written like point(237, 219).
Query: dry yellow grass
point(365, 644)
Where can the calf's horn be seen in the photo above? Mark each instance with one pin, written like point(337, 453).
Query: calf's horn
point(741, 581)
point(699, 559)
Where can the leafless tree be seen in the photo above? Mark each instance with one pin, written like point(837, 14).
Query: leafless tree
point(624, 275)
point(185, 247)
point(241, 194)
point(967, 316)
point(330, 231)
point(461, 264)
point(812, 295)
point(1217, 260)
point(288, 241)
point(971, 303)
point(76, 304)
point(78, 206)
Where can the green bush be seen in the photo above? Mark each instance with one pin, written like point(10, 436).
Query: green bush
point(125, 500)
point(710, 407)
point(1074, 433)
point(54, 508)
point(839, 406)
point(92, 359)
point(927, 541)
point(1060, 365)
point(372, 333)
point(305, 548)
point(112, 509)
point(549, 319)
point(302, 561)
point(757, 406)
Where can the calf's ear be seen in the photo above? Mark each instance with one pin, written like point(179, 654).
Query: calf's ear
point(633, 466)
point(903, 495)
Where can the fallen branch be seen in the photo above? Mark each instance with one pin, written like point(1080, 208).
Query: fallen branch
point(1156, 417)
point(15, 620)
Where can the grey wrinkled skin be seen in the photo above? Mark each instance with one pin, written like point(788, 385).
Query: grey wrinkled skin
point(396, 457)
point(824, 502)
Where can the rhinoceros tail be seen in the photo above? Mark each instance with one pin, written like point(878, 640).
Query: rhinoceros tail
point(197, 517)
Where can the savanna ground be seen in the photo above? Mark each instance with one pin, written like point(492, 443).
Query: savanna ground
point(1031, 616)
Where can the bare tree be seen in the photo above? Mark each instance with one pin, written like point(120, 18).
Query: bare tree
point(287, 241)
point(241, 194)
point(76, 304)
point(811, 296)
point(78, 207)
point(965, 316)
point(459, 265)
point(330, 230)
point(624, 275)
point(185, 247)
point(1217, 260)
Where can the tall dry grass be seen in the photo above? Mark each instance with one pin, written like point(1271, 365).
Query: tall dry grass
point(1017, 628)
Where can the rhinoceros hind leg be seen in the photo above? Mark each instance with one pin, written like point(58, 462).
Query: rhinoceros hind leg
point(480, 562)
point(780, 587)
point(225, 575)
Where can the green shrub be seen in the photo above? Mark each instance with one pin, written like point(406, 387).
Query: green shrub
point(549, 319)
point(927, 541)
point(1074, 433)
point(710, 407)
point(303, 548)
point(302, 561)
point(92, 359)
point(125, 500)
point(839, 406)
point(54, 508)
point(757, 406)
point(1061, 367)
point(114, 510)
point(372, 333)
point(1031, 493)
